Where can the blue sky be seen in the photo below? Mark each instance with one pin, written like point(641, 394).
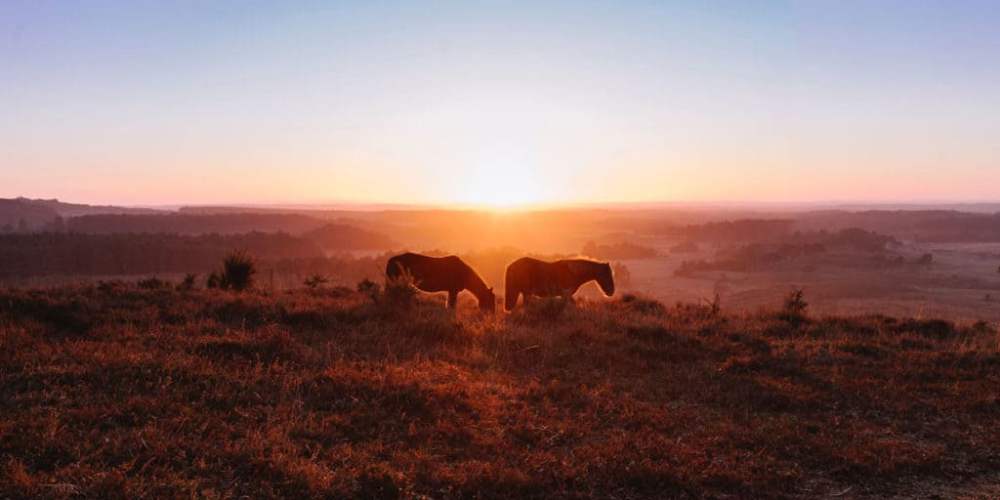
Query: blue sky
point(499, 102)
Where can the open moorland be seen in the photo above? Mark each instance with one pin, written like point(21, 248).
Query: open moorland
point(121, 391)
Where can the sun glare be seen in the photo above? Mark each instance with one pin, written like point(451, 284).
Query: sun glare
point(502, 187)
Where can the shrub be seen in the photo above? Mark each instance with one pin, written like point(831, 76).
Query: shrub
point(214, 280)
point(794, 307)
point(643, 305)
point(716, 305)
point(370, 288)
point(111, 287)
point(153, 283)
point(187, 283)
point(400, 291)
point(316, 281)
point(238, 270)
point(541, 310)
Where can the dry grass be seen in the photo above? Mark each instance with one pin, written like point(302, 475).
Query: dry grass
point(120, 391)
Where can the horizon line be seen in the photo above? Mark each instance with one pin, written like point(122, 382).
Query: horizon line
point(528, 207)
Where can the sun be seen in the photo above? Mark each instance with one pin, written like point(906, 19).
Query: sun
point(502, 187)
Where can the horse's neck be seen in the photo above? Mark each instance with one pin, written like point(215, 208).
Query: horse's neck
point(582, 272)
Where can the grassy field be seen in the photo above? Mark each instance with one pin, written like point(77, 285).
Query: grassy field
point(114, 391)
point(962, 283)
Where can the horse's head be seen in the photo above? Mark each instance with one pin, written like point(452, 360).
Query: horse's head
point(488, 302)
point(605, 279)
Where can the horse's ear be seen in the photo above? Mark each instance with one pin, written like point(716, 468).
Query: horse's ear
point(491, 289)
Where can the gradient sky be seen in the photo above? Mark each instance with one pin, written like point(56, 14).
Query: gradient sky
point(141, 102)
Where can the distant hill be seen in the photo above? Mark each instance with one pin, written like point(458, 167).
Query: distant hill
point(16, 215)
point(917, 225)
point(25, 214)
point(345, 237)
point(77, 209)
point(173, 223)
point(68, 254)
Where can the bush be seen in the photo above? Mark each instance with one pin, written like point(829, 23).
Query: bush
point(715, 306)
point(153, 283)
point(316, 281)
point(187, 283)
point(370, 288)
point(238, 270)
point(542, 310)
point(214, 280)
point(643, 305)
point(400, 291)
point(111, 287)
point(794, 307)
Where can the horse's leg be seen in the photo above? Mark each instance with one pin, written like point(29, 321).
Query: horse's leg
point(510, 298)
point(452, 299)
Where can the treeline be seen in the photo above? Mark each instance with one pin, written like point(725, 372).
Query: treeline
point(618, 251)
point(853, 239)
point(853, 242)
point(959, 227)
point(937, 226)
point(191, 224)
point(333, 237)
point(743, 230)
point(47, 254)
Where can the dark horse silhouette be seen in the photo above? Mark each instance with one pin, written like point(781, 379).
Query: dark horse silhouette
point(533, 277)
point(442, 274)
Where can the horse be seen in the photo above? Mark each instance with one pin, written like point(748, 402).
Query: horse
point(533, 277)
point(442, 274)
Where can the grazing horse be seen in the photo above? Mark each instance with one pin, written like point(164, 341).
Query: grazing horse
point(442, 274)
point(550, 279)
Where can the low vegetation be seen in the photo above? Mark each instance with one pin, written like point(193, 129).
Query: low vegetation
point(124, 391)
point(618, 251)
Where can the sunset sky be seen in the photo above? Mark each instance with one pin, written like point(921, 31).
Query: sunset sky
point(499, 103)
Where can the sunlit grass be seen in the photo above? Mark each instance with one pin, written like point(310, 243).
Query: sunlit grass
point(331, 392)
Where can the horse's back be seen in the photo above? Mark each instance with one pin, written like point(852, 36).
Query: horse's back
point(526, 265)
point(430, 273)
point(540, 277)
point(529, 274)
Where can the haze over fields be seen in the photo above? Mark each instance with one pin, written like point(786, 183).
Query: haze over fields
point(937, 261)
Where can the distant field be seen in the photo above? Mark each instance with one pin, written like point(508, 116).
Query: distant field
point(962, 283)
point(848, 262)
point(121, 392)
